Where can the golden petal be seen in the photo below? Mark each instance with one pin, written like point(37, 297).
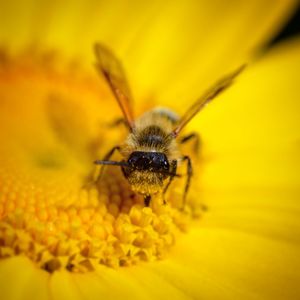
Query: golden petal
point(251, 133)
point(216, 263)
point(155, 40)
point(20, 279)
point(62, 286)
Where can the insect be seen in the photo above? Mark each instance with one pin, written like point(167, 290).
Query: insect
point(151, 150)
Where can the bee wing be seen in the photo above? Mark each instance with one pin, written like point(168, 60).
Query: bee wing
point(112, 69)
point(210, 94)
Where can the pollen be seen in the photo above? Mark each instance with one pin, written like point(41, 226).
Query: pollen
point(51, 211)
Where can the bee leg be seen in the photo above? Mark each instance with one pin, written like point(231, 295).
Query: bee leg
point(173, 170)
point(147, 199)
point(98, 174)
point(189, 176)
point(192, 136)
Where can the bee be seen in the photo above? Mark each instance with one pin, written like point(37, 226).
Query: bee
point(151, 150)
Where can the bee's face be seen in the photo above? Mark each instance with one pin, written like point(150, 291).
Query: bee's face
point(146, 171)
point(156, 162)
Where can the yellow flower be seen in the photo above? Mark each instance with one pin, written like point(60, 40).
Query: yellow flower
point(63, 239)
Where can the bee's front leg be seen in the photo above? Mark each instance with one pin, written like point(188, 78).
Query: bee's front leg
point(188, 180)
point(99, 172)
point(173, 170)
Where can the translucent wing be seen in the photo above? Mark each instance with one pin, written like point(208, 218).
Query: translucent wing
point(112, 69)
point(210, 94)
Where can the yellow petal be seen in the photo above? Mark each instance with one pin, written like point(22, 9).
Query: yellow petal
point(251, 133)
point(62, 286)
point(171, 49)
point(20, 279)
point(224, 33)
point(271, 213)
point(224, 264)
point(124, 284)
point(111, 283)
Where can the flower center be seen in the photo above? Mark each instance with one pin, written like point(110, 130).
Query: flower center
point(51, 130)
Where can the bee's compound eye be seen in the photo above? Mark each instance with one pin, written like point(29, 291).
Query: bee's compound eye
point(139, 160)
point(160, 161)
point(134, 157)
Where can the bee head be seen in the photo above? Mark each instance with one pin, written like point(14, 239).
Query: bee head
point(149, 161)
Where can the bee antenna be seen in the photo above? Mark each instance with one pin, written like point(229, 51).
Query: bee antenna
point(111, 163)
